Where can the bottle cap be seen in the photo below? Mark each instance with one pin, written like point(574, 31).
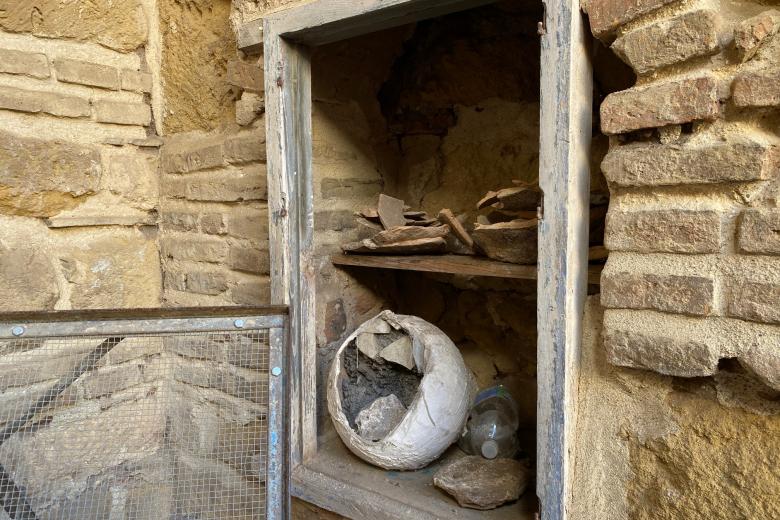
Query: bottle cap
point(490, 449)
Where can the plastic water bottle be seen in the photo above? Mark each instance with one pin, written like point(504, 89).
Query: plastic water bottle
point(491, 430)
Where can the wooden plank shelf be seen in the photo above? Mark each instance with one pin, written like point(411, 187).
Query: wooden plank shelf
point(451, 264)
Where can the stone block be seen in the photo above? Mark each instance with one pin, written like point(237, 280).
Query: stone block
point(248, 108)
point(246, 185)
point(47, 102)
point(174, 280)
point(757, 90)
point(334, 220)
point(754, 301)
point(108, 381)
point(202, 282)
point(349, 188)
point(180, 221)
point(249, 259)
point(660, 104)
point(692, 295)
point(85, 73)
point(202, 157)
point(242, 149)
point(753, 32)
point(671, 41)
point(174, 187)
point(607, 15)
point(759, 231)
point(642, 164)
point(194, 248)
point(136, 81)
point(668, 231)
point(139, 114)
point(28, 280)
point(246, 75)
point(249, 385)
point(120, 26)
point(213, 224)
point(251, 225)
point(32, 64)
point(42, 178)
point(255, 292)
point(670, 355)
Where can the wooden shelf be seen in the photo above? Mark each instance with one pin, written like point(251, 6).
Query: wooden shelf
point(452, 264)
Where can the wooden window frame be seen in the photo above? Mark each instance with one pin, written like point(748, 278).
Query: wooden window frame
point(565, 134)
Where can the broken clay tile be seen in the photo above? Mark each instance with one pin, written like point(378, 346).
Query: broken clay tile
point(515, 241)
point(369, 213)
point(489, 199)
point(519, 198)
point(426, 222)
point(391, 211)
point(399, 352)
point(409, 247)
point(405, 233)
point(446, 217)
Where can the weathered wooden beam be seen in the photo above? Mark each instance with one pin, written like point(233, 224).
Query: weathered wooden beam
point(250, 37)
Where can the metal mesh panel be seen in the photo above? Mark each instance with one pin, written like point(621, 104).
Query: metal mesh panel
point(134, 426)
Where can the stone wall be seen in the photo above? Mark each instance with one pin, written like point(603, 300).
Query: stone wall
point(78, 155)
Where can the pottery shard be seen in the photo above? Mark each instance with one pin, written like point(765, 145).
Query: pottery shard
point(523, 197)
point(514, 241)
point(380, 417)
point(399, 352)
point(446, 217)
point(368, 343)
point(391, 211)
point(405, 233)
point(409, 247)
point(480, 483)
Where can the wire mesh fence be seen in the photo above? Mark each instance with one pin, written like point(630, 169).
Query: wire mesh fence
point(135, 425)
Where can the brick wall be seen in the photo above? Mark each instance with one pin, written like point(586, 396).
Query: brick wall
point(693, 274)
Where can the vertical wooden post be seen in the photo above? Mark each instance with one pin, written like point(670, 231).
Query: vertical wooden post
point(566, 118)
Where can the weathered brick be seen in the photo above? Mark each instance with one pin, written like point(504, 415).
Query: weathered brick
point(759, 231)
point(123, 113)
point(751, 33)
point(174, 187)
point(660, 104)
point(668, 355)
point(669, 231)
point(85, 73)
point(175, 280)
point(757, 90)
point(644, 164)
point(754, 301)
point(197, 249)
point(245, 75)
point(194, 159)
point(136, 81)
point(31, 64)
point(670, 41)
point(243, 149)
point(334, 220)
point(48, 102)
point(251, 184)
point(607, 15)
point(256, 292)
point(249, 259)
point(252, 225)
point(206, 283)
point(180, 221)
point(349, 188)
point(213, 224)
point(693, 295)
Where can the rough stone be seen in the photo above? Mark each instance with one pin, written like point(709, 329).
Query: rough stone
point(693, 295)
point(248, 184)
point(380, 417)
point(670, 231)
point(31, 64)
point(191, 159)
point(195, 248)
point(756, 90)
point(335, 220)
point(670, 41)
point(484, 484)
point(202, 282)
point(180, 221)
point(120, 26)
point(213, 223)
point(28, 281)
point(248, 108)
point(753, 32)
point(249, 259)
point(754, 301)
point(643, 164)
point(349, 188)
point(254, 292)
point(246, 75)
point(666, 355)
point(660, 104)
point(47, 102)
point(759, 231)
point(607, 15)
point(136, 81)
point(123, 113)
point(242, 149)
point(508, 241)
point(42, 178)
point(85, 73)
point(250, 224)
